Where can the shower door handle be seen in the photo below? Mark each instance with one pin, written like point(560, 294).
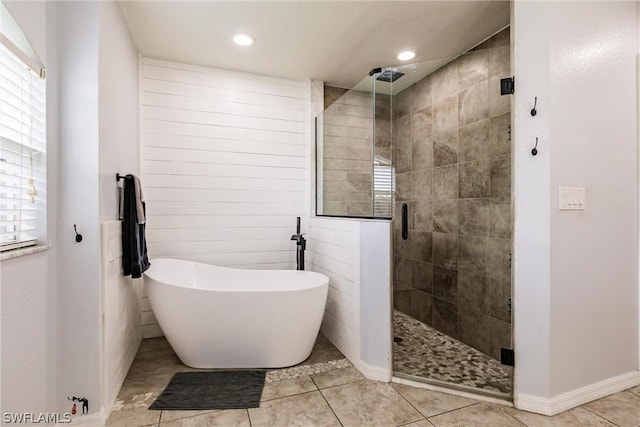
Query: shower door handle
point(405, 221)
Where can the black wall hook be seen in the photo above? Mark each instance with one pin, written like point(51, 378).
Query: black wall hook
point(533, 110)
point(78, 236)
point(535, 149)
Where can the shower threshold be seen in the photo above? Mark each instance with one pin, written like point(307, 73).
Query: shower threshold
point(469, 390)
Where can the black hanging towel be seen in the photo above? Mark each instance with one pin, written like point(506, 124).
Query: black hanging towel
point(134, 245)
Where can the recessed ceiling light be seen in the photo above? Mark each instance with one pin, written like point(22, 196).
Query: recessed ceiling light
point(243, 40)
point(406, 55)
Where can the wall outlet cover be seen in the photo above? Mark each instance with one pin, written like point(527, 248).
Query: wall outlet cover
point(571, 198)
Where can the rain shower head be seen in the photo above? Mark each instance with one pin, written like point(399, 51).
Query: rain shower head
point(389, 76)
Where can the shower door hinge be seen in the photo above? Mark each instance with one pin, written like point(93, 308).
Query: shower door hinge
point(507, 86)
point(506, 356)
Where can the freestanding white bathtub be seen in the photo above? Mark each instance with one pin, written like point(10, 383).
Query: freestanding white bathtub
point(216, 317)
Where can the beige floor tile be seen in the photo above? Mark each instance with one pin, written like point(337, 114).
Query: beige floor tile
point(431, 403)
point(154, 345)
point(226, 418)
point(133, 416)
point(478, 415)
point(574, 417)
point(336, 377)
point(132, 388)
point(635, 390)
point(421, 423)
point(323, 351)
point(621, 408)
point(158, 378)
point(133, 412)
point(307, 409)
point(174, 415)
point(370, 403)
point(277, 389)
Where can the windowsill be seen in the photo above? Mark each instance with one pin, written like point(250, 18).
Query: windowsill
point(23, 251)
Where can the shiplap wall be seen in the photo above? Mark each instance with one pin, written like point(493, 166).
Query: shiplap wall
point(120, 312)
point(225, 166)
point(334, 250)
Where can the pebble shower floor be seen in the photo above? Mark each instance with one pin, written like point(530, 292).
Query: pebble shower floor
point(427, 353)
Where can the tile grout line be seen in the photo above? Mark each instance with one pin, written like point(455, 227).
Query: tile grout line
point(453, 410)
point(291, 395)
point(411, 404)
point(328, 404)
point(339, 385)
point(598, 415)
point(411, 422)
point(517, 420)
point(249, 416)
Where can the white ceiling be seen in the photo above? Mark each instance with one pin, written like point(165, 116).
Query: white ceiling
point(337, 42)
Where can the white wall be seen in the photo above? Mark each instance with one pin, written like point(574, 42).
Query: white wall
point(576, 288)
point(356, 256)
point(375, 298)
point(594, 253)
point(118, 152)
point(118, 86)
point(225, 165)
point(99, 132)
point(79, 293)
point(28, 319)
point(532, 229)
point(28, 339)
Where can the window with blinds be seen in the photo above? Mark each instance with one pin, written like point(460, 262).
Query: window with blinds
point(382, 190)
point(22, 152)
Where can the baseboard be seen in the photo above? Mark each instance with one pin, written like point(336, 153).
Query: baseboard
point(91, 420)
point(374, 373)
point(577, 397)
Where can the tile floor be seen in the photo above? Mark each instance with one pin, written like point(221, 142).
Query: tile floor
point(321, 393)
point(428, 353)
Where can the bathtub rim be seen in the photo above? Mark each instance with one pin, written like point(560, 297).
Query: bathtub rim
point(321, 279)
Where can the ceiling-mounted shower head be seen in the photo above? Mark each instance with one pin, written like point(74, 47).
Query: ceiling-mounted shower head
point(389, 76)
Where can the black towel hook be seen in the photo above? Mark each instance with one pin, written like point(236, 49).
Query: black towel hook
point(78, 236)
point(533, 110)
point(119, 177)
point(535, 149)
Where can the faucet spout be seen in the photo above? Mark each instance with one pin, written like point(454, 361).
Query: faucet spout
point(298, 237)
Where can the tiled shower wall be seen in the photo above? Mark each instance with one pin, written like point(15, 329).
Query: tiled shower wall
point(452, 159)
point(347, 155)
point(348, 152)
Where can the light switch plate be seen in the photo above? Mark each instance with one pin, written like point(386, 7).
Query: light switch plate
point(571, 198)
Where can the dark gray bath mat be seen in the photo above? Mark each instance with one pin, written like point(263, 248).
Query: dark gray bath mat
point(212, 390)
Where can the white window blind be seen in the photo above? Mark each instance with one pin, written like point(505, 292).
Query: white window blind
point(22, 153)
point(382, 190)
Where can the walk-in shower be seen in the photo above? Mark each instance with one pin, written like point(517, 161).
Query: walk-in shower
point(432, 141)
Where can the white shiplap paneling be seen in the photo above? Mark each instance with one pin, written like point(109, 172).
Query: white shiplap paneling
point(225, 166)
point(334, 250)
point(120, 311)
